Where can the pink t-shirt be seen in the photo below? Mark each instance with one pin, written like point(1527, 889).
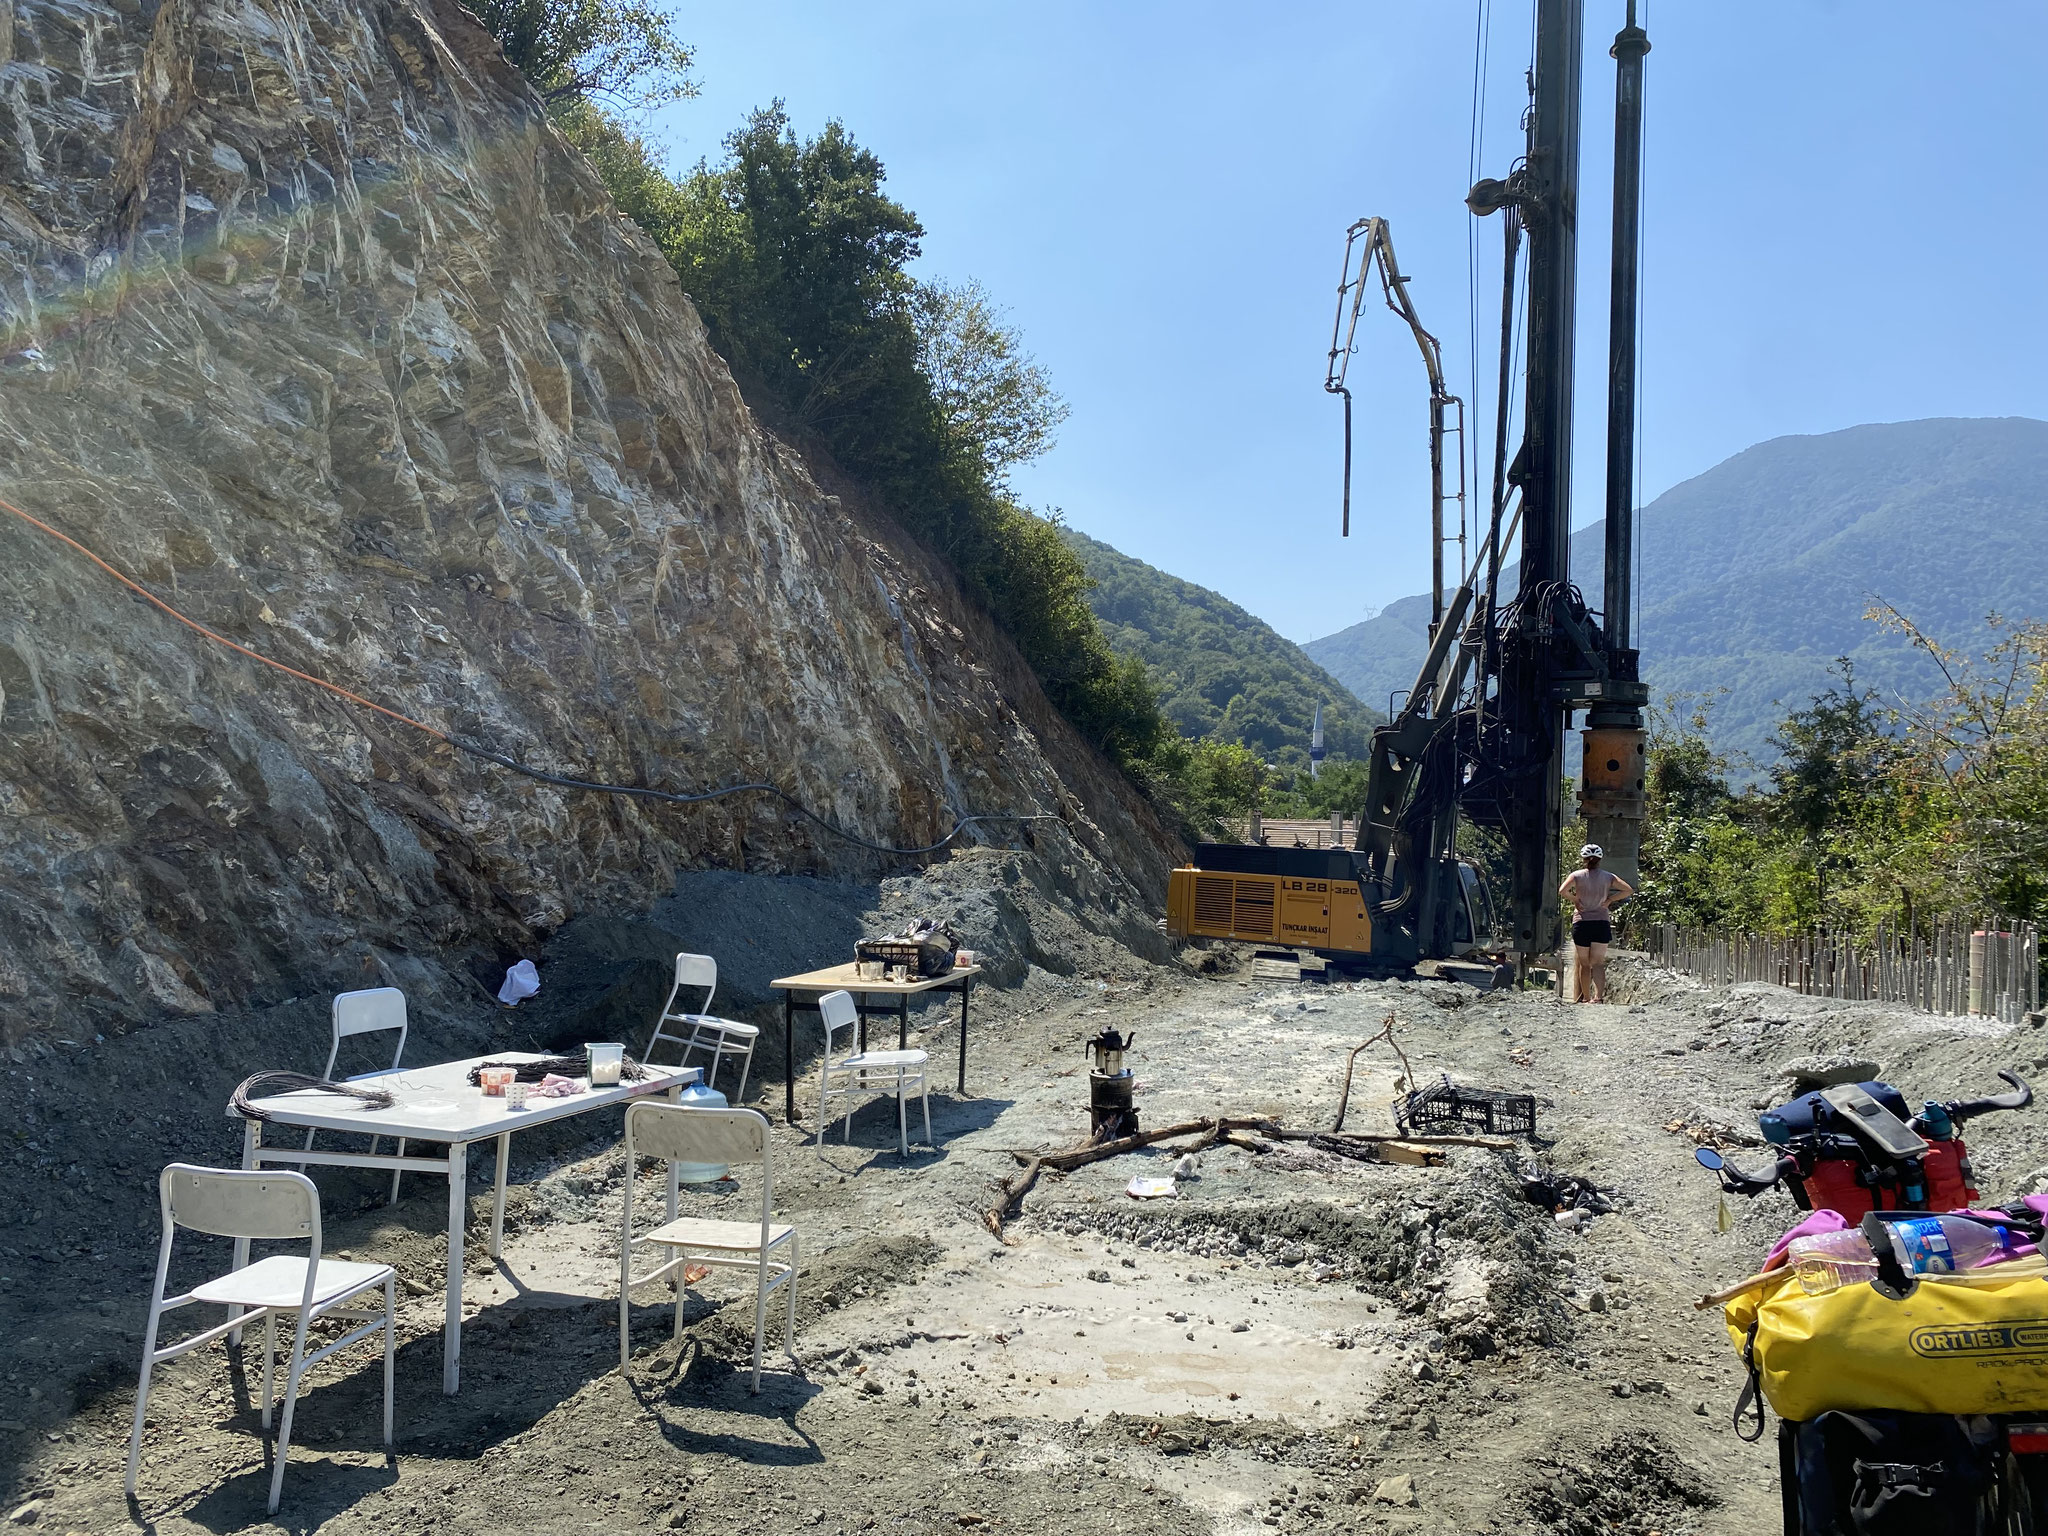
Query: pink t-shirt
point(1589, 890)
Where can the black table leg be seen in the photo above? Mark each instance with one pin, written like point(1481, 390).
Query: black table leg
point(966, 986)
point(902, 1020)
point(789, 1057)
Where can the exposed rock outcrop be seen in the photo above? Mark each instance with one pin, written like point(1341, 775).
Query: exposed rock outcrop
point(316, 327)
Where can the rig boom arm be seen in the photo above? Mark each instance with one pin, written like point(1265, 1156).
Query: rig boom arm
point(1369, 247)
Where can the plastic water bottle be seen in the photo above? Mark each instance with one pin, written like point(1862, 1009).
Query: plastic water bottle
point(1945, 1245)
point(1827, 1261)
point(700, 1096)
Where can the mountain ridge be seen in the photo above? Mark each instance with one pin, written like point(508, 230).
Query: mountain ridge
point(1223, 673)
point(1756, 573)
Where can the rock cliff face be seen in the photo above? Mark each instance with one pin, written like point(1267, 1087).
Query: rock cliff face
point(315, 327)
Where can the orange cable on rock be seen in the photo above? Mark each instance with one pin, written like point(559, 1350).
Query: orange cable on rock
point(151, 598)
point(636, 790)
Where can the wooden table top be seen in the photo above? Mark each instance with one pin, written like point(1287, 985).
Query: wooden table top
point(844, 978)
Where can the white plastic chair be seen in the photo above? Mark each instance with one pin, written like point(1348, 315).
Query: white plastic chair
point(721, 1037)
point(677, 1133)
point(369, 1012)
point(895, 1072)
point(261, 1203)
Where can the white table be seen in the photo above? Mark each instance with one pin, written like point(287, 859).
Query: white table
point(436, 1104)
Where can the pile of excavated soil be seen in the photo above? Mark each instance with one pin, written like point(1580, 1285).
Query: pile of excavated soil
point(1296, 1342)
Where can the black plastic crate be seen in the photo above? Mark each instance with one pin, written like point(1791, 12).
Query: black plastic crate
point(1447, 1109)
point(926, 952)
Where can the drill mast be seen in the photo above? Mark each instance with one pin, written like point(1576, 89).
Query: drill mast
point(1482, 733)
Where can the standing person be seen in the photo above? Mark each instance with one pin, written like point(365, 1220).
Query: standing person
point(1594, 894)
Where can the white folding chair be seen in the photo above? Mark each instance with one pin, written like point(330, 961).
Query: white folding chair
point(369, 1012)
point(721, 1037)
point(262, 1203)
point(677, 1133)
point(867, 1072)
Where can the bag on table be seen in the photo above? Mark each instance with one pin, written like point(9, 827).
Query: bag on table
point(926, 947)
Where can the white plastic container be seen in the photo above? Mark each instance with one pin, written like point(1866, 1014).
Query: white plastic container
point(607, 1062)
point(698, 1096)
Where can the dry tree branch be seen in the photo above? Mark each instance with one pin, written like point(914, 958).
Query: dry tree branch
point(1020, 1183)
point(1386, 1033)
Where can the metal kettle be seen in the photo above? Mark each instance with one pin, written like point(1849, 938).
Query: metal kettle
point(1109, 1048)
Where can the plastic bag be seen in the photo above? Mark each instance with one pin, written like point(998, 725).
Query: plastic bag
point(521, 982)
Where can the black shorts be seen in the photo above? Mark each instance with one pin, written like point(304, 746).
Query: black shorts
point(1585, 935)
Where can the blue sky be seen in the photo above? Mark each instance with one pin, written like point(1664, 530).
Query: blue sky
point(1842, 225)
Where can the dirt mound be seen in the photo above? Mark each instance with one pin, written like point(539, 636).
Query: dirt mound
point(604, 977)
point(1634, 1482)
point(1468, 1260)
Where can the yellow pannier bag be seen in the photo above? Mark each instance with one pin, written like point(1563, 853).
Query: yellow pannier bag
point(1944, 1348)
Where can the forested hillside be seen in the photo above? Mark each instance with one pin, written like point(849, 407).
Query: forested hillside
point(1758, 573)
point(1378, 656)
point(1221, 674)
point(912, 395)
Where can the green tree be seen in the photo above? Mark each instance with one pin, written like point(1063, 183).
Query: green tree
point(1872, 813)
point(1831, 758)
point(1967, 819)
point(796, 257)
point(1233, 777)
point(1828, 784)
point(1694, 846)
point(991, 392)
point(623, 52)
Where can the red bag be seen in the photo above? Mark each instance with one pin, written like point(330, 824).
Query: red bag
point(1837, 1184)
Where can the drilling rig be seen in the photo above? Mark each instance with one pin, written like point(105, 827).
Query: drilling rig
point(1481, 738)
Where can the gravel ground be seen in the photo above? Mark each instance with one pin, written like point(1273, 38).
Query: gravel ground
point(1296, 1343)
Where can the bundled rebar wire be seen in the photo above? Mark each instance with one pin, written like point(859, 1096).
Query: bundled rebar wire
point(533, 1070)
point(263, 1085)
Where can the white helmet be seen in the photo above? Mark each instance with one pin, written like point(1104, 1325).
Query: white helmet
point(1591, 851)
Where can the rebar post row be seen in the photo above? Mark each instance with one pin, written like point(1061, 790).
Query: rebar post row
point(1985, 967)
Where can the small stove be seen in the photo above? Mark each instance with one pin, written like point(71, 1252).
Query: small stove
point(1110, 1114)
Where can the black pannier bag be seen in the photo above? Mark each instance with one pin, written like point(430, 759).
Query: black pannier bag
point(1898, 1474)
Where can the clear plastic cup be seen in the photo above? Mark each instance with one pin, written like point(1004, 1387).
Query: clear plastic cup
point(607, 1062)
